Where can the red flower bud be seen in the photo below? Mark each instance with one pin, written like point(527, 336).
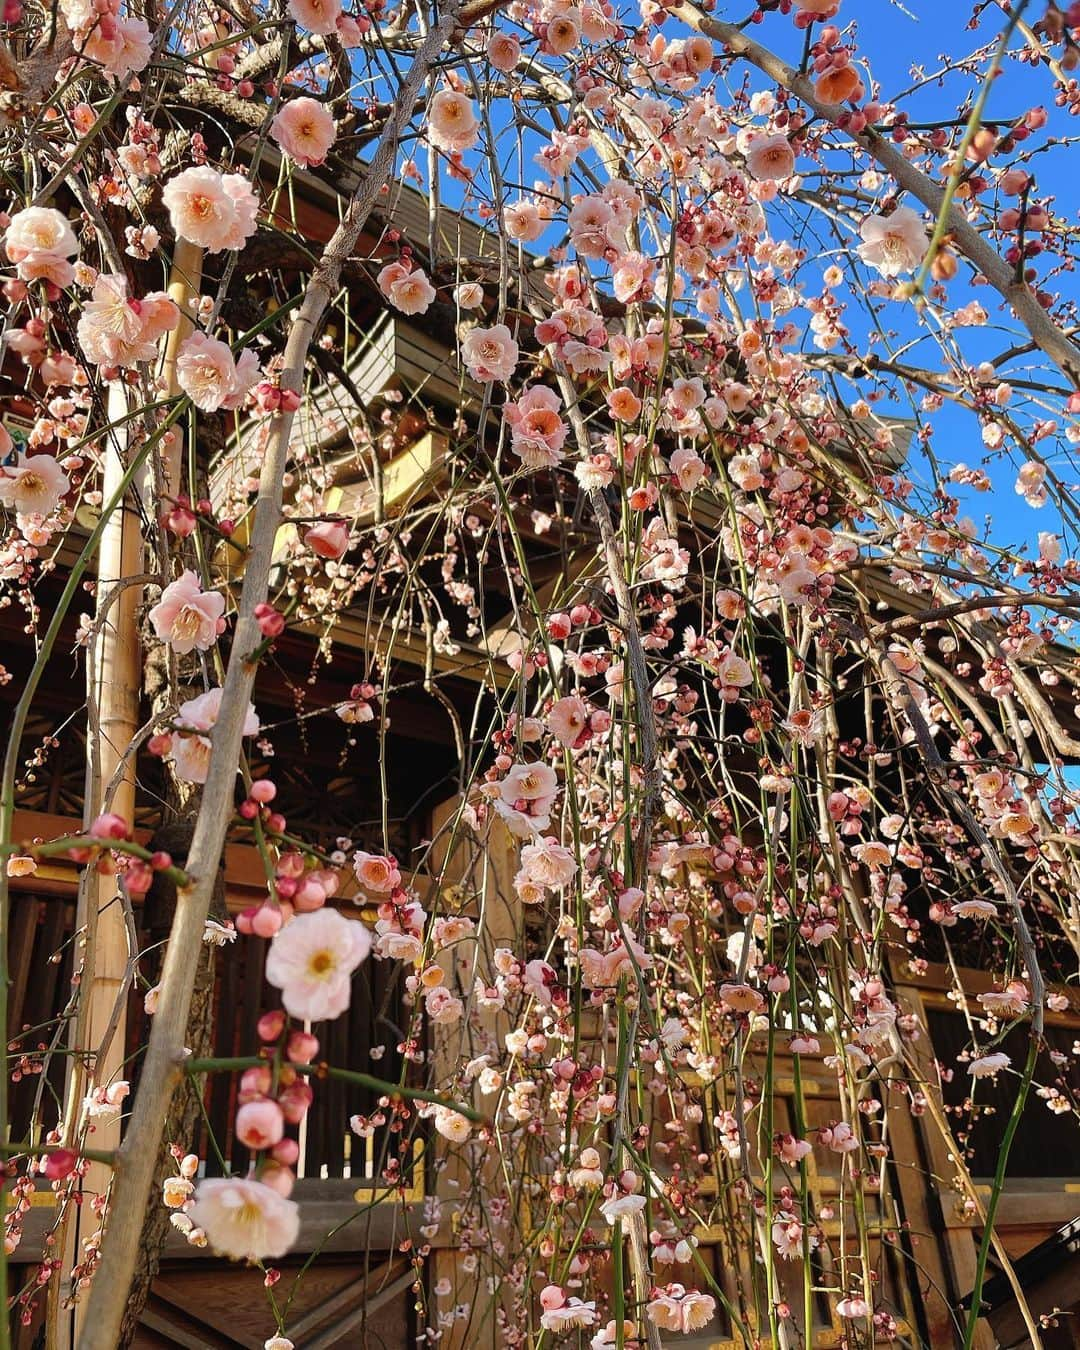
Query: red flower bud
point(58, 1164)
point(270, 1025)
point(111, 826)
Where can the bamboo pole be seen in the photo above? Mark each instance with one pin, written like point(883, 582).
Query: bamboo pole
point(185, 278)
point(113, 682)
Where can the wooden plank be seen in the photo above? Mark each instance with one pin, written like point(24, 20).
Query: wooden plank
point(174, 1334)
point(410, 646)
point(334, 1336)
point(503, 639)
point(406, 479)
point(197, 1313)
point(245, 877)
point(324, 1206)
point(354, 1291)
point(24, 926)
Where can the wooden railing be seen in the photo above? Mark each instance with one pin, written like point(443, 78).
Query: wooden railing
point(43, 952)
point(40, 958)
point(352, 1041)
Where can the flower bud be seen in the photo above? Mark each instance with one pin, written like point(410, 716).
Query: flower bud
point(302, 1047)
point(260, 1124)
point(270, 1025)
point(271, 622)
point(329, 539)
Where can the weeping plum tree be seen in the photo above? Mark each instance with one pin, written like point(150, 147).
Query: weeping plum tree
point(764, 331)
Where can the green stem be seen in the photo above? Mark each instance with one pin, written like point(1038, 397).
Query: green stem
point(941, 225)
point(56, 848)
point(193, 1066)
point(106, 1156)
point(996, 1190)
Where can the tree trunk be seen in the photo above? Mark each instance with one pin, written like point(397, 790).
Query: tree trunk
point(183, 1117)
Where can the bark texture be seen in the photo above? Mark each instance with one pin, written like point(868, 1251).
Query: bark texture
point(183, 1115)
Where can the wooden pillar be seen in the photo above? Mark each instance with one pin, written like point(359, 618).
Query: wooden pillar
point(929, 1282)
point(480, 882)
point(956, 1241)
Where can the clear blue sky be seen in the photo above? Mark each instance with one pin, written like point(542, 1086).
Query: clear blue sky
point(896, 37)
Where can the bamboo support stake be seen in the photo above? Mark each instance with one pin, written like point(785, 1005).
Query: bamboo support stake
point(115, 673)
point(137, 1156)
point(185, 278)
point(113, 683)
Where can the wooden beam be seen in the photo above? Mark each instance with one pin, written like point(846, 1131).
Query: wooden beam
point(171, 1332)
point(469, 661)
point(245, 879)
point(365, 1291)
point(334, 1335)
point(502, 640)
point(407, 478)
point(325, 1205)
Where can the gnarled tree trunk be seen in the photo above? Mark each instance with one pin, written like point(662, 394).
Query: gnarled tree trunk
point(182, 1118)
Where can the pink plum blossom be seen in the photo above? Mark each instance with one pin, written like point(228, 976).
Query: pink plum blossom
point(33, 485)
point(39, 241)
point(770, 157)
point(186, 616)
point(895, 243)
point(116, 329)
point(191, 745)
point(210, 376)
point(572, 1313)
point(328, 539)
point(503, 51)
point(676, 1308)
point(547, 864)
point(311, 960)
point(317, 16)
point(490, 353)
point(567, 719)
point(525, 797)
point(452, 1124)
point(375, 872)
point(216, 211)
point(469, 295)
point(260, 1124)
point(407, 289)
point(988, 1066)
point(452, 124)
point(305, 130)
point(537, 432)
point(244, 1219)
point(122, 51)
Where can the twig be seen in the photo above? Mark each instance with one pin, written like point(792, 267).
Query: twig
point(1025, 305)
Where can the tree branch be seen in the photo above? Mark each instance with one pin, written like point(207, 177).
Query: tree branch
point(1019, 296)
point(137, 1156)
